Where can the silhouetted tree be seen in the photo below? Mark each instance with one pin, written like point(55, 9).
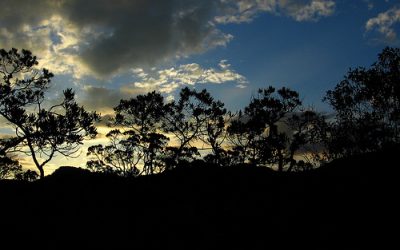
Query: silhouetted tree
point(307, 134)
point(256, 134)
point(268, 109)
point(173, 156)
point(367, 105)
point(244, 133)
point(122, 156)
point(143, 115)
point(213, 131)
point(188, 119)
point(40, 131)
point(154, 151)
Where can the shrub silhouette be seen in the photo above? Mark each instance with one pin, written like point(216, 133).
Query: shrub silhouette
point(9, 168)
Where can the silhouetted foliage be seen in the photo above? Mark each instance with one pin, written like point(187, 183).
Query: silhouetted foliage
point(151, 136)
point(197, 118)
point(188, 120)
point(155, 152)
point(142, 116)
point(257, 135)
point(367, 105)
point(11, 169)
point(41, 131)
point(175, 156)
point(8, 167)
point(213, 130)
point(307, 136)
point(244, 134)
point(121, 156)
point(27, 175)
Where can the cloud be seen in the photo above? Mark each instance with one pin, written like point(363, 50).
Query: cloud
point(168, 80)
point(100, 99)
point(104, 99)
point(54, 40)
point(369, 3)
point(104, 38)
point(143, 33)
point(305, 10)
point(6, 129)
point(384, 22)
point(311, 11)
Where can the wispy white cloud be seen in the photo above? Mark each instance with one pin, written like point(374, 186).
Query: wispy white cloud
point(370, 4)
point(384, 23)
point(240, 11)
point(103, 99)
point(168, 80)
point(311, 11)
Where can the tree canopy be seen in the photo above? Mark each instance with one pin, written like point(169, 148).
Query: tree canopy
point(367, 106)
point(41, 130)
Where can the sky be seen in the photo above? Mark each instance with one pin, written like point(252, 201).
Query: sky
point(112, 50)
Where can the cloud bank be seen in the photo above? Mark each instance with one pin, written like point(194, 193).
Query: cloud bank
point(168, 80)
point(103, 37)
point(300, 10)
point(384, 24)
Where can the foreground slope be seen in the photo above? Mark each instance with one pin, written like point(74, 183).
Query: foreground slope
point(342, 205)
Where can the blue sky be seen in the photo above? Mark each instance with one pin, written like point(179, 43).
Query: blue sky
point(108, 50)
point(100, 48)
point(310, 56)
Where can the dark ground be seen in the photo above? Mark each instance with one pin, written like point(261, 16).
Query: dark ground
point(347, 204)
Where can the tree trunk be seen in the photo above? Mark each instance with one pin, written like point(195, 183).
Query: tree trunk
point(280, 163)
point(217, 154)
point(41, 171)
point(292, 161)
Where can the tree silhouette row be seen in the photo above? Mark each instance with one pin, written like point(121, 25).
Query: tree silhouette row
point(149, 135)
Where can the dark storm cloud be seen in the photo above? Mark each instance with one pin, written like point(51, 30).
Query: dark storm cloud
point(141, 33)
point(100, 99)
point(14, 14)
point(116, 35)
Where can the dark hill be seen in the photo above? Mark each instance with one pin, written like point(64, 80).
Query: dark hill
point(339, 206)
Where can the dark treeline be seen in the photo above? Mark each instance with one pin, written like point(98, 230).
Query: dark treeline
point(197, 122)
point(150, 135)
